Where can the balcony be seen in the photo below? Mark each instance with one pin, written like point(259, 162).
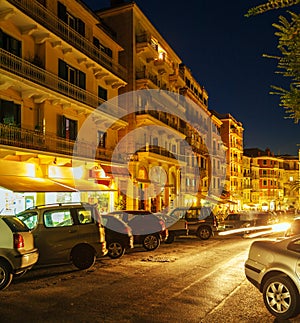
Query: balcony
point(26, 70)
point(146, 47)
point(50, 143)
point(155, 116)
point(157, 152)
point(47, 19)
point(144, 78)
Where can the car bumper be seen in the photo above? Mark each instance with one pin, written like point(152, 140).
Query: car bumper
point(253, 273)
point(25, 261)
point(101, 249)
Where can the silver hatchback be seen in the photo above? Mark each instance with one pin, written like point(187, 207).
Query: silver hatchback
point(17, 250)
point(274, 268)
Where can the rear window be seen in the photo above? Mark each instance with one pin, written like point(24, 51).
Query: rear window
point(15, 224)
point(29, 218)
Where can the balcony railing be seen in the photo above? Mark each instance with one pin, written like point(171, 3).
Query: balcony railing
point(47, 19)
point(35, 140)
point(162, 152)
point(163, 118)
point(37, 75)
point(146, 38)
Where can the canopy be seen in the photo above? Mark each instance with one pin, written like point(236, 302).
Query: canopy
point(82, 184)
point(32, 184)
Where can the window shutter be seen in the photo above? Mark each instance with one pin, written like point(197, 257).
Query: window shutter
point(73, 129)
point(61, 11)
point(81, 80)
point(61, 126)
point(81, 27)
point(1, 38)
point(62, 69)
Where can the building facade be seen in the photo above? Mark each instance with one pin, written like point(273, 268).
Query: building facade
point(58, 64)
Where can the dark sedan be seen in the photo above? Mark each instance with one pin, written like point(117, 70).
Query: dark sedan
point(148, 230)
point(118, 236)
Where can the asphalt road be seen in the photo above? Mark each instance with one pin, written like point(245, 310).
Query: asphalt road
point(188, 281)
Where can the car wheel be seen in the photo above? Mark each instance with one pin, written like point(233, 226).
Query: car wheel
point(171, 238)
point(151, 242)
point(204, 233)
point(281, 297)
point(115, 250)
point(6, 275)
point(83, 257)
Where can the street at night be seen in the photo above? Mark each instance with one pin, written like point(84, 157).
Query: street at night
point(188, 281)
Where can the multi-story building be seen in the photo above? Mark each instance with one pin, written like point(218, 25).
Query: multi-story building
point(290, 199)
point(58, 63)
point(184, 117)
point(232, 137)
point(247, 203)
point(267, 179)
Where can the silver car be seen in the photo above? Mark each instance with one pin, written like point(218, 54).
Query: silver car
point(274, 268)
point(17, 251)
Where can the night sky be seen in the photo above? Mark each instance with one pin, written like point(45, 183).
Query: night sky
point(224, 51)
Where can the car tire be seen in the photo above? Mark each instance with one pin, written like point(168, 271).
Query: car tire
point(151, 242)
point(6, 275)
point(115, 249)
point(171, 238)
point(281, 297)
point(83, 256)
point(204, 232)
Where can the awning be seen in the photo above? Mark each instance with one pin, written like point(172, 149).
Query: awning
point(82, 184)
point(116, 171)
point(32, 184)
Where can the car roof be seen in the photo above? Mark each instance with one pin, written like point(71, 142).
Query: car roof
point(54, 205)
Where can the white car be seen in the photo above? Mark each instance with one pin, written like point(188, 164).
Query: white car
point(17, 250)
point(274, 268)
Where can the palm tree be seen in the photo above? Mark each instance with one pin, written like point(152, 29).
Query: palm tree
point(271, 5)
point(288, 32)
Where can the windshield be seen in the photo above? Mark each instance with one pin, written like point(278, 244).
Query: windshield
point(15, 224)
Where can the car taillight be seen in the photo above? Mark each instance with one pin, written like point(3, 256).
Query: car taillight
point(18, 241)
point(163, 225)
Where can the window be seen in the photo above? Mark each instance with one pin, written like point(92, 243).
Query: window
point(102, 93)
point(71, 74)
point(10, 113)
point(60, 218)
point(85, 216)
point(101, 139)
point(102, 48)
point(72, 21)
point(67, 128)
point(265, 183)
point(10, 44)
point(30, 219)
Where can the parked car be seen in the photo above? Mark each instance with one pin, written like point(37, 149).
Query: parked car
point(148, 229)
point(66, 233)
point(195, 220)
point(294, 228)
point(17, 251)
point(274, 268)
point(118, 236)
point(247, 219)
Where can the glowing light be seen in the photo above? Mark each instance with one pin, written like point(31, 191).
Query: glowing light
point(240, 230)
point(280, 227)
